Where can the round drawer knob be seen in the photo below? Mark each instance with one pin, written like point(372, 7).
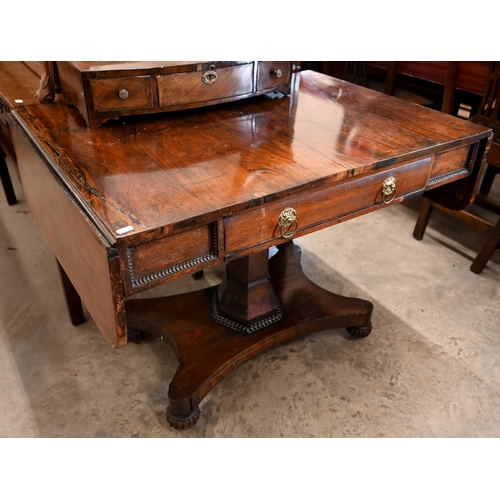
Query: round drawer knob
point(123, 94)
point(288, 223)
point(388, 190)
point(278, 73)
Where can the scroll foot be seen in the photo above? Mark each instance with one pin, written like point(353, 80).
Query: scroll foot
point(360, 332)
point(185, 422)
point(135, 336)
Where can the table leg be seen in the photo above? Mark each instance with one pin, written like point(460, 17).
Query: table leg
point(73, 300)
point(6, 181)
point(208, 350)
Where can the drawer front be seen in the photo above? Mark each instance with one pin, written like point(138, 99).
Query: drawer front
point(323, 207)
point(122, 93)
point(272, 74)
point(156, 262)
point(450, 165)
point(190, 88)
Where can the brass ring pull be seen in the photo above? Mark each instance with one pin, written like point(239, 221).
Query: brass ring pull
point(388, 190)
point(286, 220)
point(209, 77)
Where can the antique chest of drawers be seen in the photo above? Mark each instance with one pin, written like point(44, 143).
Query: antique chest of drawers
point(108, 90)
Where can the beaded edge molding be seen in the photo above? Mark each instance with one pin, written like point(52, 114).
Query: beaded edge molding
point(466, 170)
point(447, 177)
point(238, 327)
point(138, 282)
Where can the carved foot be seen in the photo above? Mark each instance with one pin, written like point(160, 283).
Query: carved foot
point(360, 332)
point(135, 336)
point(183, 423)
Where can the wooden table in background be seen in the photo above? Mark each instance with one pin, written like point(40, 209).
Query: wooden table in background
point(145, 200)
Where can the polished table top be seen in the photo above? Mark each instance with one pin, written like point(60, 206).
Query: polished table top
point(186, 168)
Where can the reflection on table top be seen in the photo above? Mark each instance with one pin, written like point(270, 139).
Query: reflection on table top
point(157, 171)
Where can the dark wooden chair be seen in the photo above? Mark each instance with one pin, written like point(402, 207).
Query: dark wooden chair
point(361, 73)
point(489, 116)
point(356, 72)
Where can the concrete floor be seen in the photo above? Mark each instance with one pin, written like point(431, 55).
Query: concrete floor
point(430, 368)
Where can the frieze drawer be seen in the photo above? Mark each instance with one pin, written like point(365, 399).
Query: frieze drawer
point(271, 224)
point(150, 264)
point(452, 165)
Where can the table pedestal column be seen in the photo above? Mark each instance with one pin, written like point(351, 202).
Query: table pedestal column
point(246, 300)
point(208, 350)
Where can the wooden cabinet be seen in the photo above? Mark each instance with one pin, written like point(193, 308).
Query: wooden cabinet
point(105, 90)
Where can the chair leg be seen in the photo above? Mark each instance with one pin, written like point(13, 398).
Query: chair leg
point(6, 182)
point(356, 72)
point(423, 219)
point(488, 179)
point(487, 250)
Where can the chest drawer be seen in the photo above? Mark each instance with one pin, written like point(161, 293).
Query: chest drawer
point(270, 74)
point(121, 93)
point(203, 86)
point(322, 207)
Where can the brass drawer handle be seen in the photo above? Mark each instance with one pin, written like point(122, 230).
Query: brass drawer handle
point(388, 189)
point(277, 72)
point(209, 77)
point(123, 94)
point(286, 220)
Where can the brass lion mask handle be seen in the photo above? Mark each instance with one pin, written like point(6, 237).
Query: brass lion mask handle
point(388, 190)
point(288, 223)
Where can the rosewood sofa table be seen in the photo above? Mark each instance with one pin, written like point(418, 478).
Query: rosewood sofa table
point(140, 201)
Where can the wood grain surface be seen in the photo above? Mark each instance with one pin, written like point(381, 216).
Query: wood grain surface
point(189, 168)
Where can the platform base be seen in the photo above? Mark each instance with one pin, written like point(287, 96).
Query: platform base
point(208, 351)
